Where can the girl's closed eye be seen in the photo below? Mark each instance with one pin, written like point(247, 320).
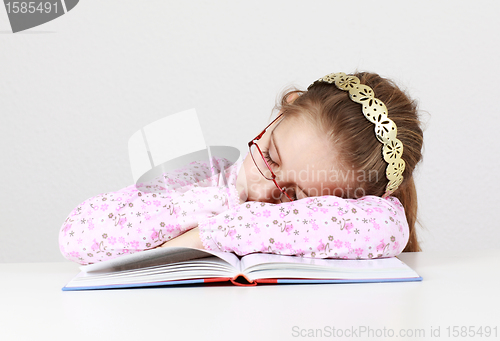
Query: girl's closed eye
point(270, 161)
point(290, 191)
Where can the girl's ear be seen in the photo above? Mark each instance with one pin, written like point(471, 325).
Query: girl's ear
point(292, 97)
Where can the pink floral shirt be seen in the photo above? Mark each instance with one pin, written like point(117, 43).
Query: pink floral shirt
point(137, 218)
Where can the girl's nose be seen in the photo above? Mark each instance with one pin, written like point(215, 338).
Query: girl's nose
point(267, 191)
point(259, 188)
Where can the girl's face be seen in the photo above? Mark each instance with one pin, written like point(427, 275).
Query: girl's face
point(298, 154)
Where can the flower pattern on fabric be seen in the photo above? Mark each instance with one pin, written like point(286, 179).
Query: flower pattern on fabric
point(142, 217)
point(321, 227)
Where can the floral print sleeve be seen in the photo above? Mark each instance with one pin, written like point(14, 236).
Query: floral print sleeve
point(326, 226)
point(142, 217)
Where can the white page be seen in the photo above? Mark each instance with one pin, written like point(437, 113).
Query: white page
point(158, 256)
point(211, 263)
point(277, 266)
point(267, 258)
point(198, 269)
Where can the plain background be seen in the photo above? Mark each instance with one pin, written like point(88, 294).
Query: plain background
point(73, 91)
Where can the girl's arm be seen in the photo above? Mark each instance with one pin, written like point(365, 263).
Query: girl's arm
point(189, 239)
point(131, 220)
point(327, 226)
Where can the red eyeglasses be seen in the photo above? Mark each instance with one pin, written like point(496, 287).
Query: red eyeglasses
point(264, 168)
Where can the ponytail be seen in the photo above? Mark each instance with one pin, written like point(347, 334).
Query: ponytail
point(407, 195)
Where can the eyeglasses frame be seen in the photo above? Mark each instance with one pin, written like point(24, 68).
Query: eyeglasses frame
point(253, 142)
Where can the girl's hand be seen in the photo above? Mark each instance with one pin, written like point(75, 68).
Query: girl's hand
point(189, 239)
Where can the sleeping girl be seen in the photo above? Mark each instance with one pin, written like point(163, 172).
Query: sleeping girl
point(329, 177)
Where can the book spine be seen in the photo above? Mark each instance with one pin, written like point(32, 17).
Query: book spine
point(242, 280)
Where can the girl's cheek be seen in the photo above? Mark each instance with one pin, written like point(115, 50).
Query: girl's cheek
point(249, 179)
point(242, 182)
point(241, 187)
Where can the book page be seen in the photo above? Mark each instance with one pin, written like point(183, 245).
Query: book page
point(259, 265)
point(202, 268)
point(295, 261)
point(158, 256)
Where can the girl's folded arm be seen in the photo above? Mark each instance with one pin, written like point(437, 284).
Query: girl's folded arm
point(130, 220)
point(327, 226)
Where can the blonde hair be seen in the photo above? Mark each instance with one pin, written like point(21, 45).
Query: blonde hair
point(332, 112)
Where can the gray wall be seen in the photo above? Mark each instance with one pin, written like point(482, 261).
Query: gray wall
point(74, 90)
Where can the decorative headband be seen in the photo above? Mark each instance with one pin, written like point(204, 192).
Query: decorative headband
point(385, 129)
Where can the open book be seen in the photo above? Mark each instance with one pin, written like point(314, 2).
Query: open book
point(183, 265)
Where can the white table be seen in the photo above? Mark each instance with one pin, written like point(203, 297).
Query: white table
point(457, 290)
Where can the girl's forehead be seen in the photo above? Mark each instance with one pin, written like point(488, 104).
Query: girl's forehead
point(297, 131)
point(304, 151)
point(299, 122)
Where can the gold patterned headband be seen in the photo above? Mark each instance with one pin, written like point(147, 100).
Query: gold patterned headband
point(385, 129)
